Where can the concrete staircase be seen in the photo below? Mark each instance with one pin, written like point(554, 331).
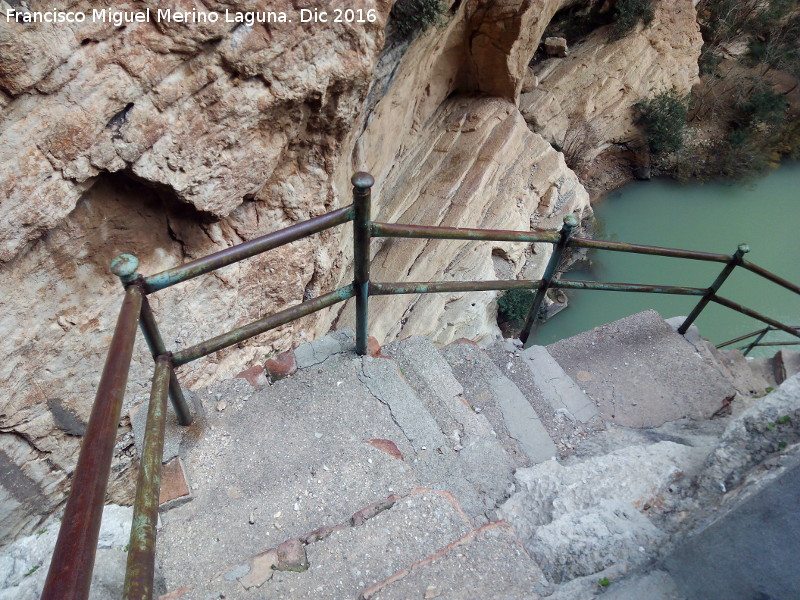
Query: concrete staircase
point(452, 473)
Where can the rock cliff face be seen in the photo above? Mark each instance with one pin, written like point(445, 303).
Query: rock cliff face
point(234, 129)
point(173, 140)
point(586, 98)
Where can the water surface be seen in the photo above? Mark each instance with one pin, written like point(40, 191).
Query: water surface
point(714, 217)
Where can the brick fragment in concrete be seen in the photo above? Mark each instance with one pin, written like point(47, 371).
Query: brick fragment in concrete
point(174, 487)
point(254, 376)
point(281, 366)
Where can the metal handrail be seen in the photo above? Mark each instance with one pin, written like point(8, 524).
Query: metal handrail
point(71, 569)
point(747, 348)
point(70, 572)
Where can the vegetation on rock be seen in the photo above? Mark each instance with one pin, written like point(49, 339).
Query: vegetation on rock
point(771, 29)
point(663, 119)
point(741, 120)
point(628, 14)
point(413, 16)
point(514, 306)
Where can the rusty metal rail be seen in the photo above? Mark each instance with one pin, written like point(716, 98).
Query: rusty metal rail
point(760, 334)
point(70, 572)
point(234, 254)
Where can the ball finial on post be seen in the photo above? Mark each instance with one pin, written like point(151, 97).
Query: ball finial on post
point(124, 267)
point(570, 221)
point(362, 180)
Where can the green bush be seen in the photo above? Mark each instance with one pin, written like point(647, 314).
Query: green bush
point(628, 14)
point(762, 105)
point(515, 305)
point(663, 119)
point(412, 16)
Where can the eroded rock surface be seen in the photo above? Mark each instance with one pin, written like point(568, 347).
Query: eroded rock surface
point(477, 165)
point(237, 128)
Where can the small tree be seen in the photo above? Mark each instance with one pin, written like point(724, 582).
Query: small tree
point(663, 118)
point(628, 14)
point(514, 306)
point(763, 105)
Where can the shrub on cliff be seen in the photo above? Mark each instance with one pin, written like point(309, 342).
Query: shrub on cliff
point(412, 16)
point(628, 14)
point(762, 106)
point(663, 119)
point(514, 305)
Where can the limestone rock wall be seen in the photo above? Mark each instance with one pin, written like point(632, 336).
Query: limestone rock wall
point(476, 165)
point(234, 130)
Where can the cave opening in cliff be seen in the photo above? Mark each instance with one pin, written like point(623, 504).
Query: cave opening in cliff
point(122, 214)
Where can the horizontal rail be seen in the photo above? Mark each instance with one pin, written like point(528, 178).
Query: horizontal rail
point(462, 233)
point(228, 256)
point(753, 268)
point(741, 338)
point(142, 547)
point(416, 287)
point(582, 242)
point(70, 572)
point(755, 315)
point(778, 343)
point(627, 287)
point(253, 329)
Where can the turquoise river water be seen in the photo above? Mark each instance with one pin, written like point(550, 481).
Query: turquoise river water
point(712, 217)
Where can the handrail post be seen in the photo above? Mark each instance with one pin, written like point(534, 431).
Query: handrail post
point(362, 184)
point(736, 259)
point(142, 547)
point(570, 223)
point(70, 573)
point(124, 267)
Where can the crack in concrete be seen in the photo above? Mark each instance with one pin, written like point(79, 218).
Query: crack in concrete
point(362, 376)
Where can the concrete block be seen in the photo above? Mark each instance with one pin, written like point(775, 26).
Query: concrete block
point(640, 373)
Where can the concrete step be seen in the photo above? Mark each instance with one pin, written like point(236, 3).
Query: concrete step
point(489, 562)
point(555, 398)
point(311, 451)
point(482, 461)
point(786, 364)
point(742, 377)
point(641, 373)
point(275, 463)
point(353, 559)
point(764, 368)
point(563, 393)
point(731, 364)
point(597, 517)
point(518, 427)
